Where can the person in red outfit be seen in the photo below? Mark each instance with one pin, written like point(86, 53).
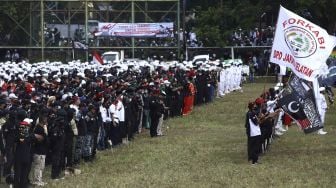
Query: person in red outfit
point(188, 102)
point(287, 121)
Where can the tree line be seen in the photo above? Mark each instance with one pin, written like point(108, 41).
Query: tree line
point(216, 20)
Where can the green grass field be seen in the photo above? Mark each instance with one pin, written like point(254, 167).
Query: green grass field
point(208, 149)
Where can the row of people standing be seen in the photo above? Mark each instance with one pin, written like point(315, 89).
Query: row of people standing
point(230, 78)
point(62, 118)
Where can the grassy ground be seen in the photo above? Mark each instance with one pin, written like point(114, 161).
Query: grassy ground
point(208, 149)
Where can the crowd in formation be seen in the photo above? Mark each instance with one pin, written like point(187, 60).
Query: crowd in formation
point(61, 114)
point(230, 77)
point(266, 120)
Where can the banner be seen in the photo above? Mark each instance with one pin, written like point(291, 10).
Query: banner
point(298, 101)
point(300, 45)
point(158, 30)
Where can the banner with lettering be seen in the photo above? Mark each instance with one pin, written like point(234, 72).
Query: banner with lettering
point(298, 101)
point(157, 30)
point(300, 45)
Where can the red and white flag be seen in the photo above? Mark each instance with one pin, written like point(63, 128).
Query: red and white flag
point(300, 45)
point(97, 58)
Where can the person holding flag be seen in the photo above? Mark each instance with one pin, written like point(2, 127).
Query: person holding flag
point(303, 47)
point(253, 133)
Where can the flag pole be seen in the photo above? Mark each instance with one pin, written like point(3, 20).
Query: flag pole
point(73, 54)
point(73, 50)
point(265, 80)
point(271, 49)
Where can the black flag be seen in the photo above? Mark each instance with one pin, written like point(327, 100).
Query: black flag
point(298, 101)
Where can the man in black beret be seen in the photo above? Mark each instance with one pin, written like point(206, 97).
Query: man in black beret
point(57, 138)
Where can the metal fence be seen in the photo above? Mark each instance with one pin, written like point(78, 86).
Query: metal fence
point(51, 25)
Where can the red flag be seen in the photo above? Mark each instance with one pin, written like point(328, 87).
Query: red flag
point(97, 58)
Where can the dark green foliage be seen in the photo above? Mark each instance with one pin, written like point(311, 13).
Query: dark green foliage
point(216, 20)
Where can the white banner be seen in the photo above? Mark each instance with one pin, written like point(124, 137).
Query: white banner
point(300, 45)
point(136, 29)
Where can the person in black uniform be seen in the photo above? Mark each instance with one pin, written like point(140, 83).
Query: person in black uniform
point(67, 160)
point(93, 128)
point(16, 114)
point(22, 156)
point(130, 118)
point(156, 111)
point(3, 119)
point(56, 136)
point(82, 132)
point(253, 133)
point(177, 99)
point(201, 87)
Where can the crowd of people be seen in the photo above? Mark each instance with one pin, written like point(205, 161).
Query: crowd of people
point(61, 114)
point(261, 119)
point(253, 37)
point(230, 78)
point(13, 56)
point(266, 120)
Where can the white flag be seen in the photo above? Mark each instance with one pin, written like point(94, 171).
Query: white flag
point(300, 45)
point(79, 45)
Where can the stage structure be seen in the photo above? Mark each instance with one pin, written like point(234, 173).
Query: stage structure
point(46, 30)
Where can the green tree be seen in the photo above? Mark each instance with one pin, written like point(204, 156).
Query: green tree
point(216, 20)
point(12, 12)
point(215, 24)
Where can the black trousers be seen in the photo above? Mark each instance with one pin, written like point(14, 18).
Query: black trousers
point(94, 137)
point(121, 127)
point(173, 106)
point(154, 125)
point(115, 135)
point(9, 149)
point(57, 147)
point(21, 173)
point(130, 128)
point(179, 105)
point(68, 151)
point(253, 148)
point(107, 128)
point(200, 96)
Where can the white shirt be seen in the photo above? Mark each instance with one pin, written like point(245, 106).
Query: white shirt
point(120, 111)
point(76, 108)
point(254, 129)
point(104, 114)
point(271, 105)
point(112, 111)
